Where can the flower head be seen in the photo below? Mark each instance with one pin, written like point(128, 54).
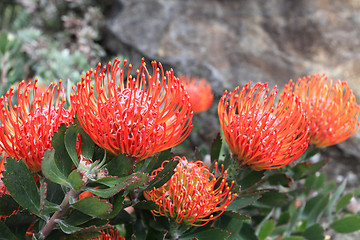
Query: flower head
point(259, 134)
point(109, 234)
point(201, 96)
point(134, 116)
point(26, 129)
point(193, 194)
point(331, 107)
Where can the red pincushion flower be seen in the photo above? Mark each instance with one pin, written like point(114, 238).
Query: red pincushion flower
point(193, 194)
point(137, 116)
point(259, 134)
point(109, 234)
point(331, 108)
point(201, 96)
point(26, 129)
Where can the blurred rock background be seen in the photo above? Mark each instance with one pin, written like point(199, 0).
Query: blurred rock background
point(230, 42)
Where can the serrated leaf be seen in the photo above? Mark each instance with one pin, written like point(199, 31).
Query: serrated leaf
point(343, 201)
point(76, 179)
point(121, 165)
point(216, 148)
point(20, 183)
point(69, 229)
point(93, 206)
point(7, 205)
point(116, 185)
point(117, 203)
point(212, 233)
point(50, 169)
point(315, 232)
point(346, 224)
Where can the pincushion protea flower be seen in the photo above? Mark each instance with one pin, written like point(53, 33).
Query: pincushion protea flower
point(331, 108)
point(26, 129)
point(259, 134)
point(109, 234)
point(193, 194)
point(2, 168)
point(134, 116)
point(201, 96)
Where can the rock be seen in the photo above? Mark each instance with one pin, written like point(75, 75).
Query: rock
point(232, 42)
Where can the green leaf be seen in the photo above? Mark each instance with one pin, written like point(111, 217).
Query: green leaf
point(50, 169)
point(272, 198)
point(247, 232)
point(7, 205)
point(216, 148)
point(243, 201)
point(316, 167)
point(61, 157)
point(346, 224)
point(236, 215)
point(335, 197)
point(293, 238)
point(281, 179)
point(76, 179)
point(212, 233)
point(69, 229)
point(315, 232)
point(148, 205)
point(19, 222)
point(266, 229)
point(343, 201)
point(3, 42)
point(164, 175)
point(156, 161)
point(315, 207)
point(5, 233)
point(93, 206)
point(117, 203)
point(20, 183)
point(300, 169)
point(87, 144)
point(249, 178)
point(70, 143)
point(121, 165)
point(116, 185)
point(77, 218)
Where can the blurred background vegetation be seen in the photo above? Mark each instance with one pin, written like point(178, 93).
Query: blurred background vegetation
point(50, 40)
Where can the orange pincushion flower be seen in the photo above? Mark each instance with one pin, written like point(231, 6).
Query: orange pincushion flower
point(259, 134)
point(2, 168)
point(201, 96)
point(109, 234)
point(331, 108)
point(193, 194)
point(26, 129)
point(138, 117)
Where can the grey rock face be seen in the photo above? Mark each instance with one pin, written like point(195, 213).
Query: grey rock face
point(231, 42)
